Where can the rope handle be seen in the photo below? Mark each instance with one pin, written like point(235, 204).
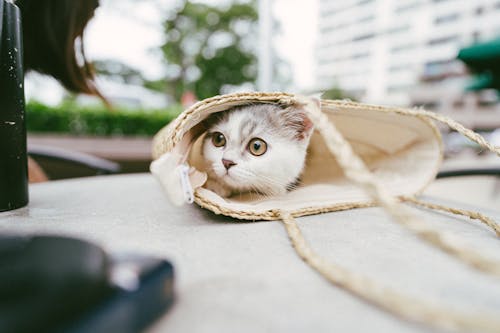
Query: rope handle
point(356, 171)
point(471, 135)
point(412, 309)
point(456, 211)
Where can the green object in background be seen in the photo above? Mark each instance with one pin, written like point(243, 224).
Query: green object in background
point(482, 55)
point(484, 60)
point(481, 81)
point(78, 120)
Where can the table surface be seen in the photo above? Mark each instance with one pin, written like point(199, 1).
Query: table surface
point(245, 277)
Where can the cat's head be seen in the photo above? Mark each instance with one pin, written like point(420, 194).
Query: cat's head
point(259, 147)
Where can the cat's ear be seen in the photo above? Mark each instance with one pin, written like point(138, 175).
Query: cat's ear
point(299, 120)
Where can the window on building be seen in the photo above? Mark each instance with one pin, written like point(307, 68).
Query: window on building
point(438, 67)
point(342, 6)
point(399, 29)
point(360, 55)
point(335, 27)
point(442, 40)
point(366, 19)
point(399, 68)
point(363, 37)
point(447, 18)
point(407, 7)
point(402, 48)
point(327, 29)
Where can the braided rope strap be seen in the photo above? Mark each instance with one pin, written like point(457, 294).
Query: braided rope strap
point(471, 135)
point(468, 213)
point(403, 306)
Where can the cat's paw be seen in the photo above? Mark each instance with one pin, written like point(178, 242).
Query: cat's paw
point(218, 188)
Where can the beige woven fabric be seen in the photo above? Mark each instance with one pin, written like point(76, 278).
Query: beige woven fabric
point(360, 155)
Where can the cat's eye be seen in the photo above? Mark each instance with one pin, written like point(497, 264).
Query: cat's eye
point(257, 146)
point(218, 139)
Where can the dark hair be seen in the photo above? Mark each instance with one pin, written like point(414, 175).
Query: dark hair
point(53, 41)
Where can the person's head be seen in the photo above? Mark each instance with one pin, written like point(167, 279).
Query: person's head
point(53, 41)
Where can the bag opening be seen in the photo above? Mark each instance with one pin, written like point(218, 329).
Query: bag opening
point(404, 152)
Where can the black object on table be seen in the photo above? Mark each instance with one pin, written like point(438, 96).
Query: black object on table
point(61, 163)
point(469, 172)
point(59, 284)
point(13, 161)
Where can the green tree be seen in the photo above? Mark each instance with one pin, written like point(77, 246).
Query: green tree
point(337, 93)
point(208, 47)
point(118, 71)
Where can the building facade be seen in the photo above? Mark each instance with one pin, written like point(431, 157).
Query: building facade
point(382, 51)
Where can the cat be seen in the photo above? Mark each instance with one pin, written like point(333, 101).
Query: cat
point(259, 148)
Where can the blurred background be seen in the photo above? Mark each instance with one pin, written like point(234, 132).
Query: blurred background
point(155, 57)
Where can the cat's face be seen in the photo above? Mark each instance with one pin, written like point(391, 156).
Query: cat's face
point(258, 148)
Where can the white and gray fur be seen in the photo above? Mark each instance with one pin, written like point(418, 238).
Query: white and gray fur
point(286, 131)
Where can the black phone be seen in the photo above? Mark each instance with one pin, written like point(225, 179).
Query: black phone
point(61, 284)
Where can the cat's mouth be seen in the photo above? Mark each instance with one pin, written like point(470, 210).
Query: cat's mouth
point(227, 175)
point(230, 179)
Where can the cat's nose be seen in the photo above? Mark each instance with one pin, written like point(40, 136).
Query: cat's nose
point(227, 163)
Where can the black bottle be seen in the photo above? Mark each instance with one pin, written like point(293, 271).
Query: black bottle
point(13, 161)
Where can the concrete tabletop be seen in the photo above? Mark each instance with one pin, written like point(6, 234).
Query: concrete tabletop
point(245, 277)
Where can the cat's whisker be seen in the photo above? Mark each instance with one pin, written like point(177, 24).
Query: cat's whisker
point(273, 181)
point(258, 192)
point(266, 188)
point(254, 193)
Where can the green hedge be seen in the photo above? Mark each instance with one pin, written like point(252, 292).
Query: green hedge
point(78, 120)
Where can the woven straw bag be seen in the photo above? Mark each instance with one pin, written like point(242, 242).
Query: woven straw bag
point(359, 156)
